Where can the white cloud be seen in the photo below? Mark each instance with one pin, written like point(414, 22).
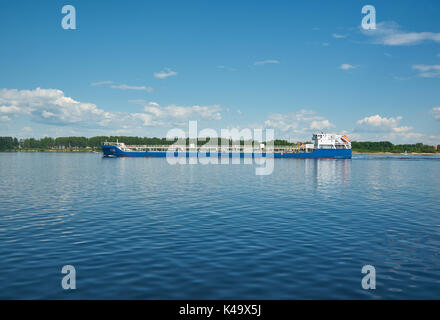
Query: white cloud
point(346, 66)
point(402, 129)
point(9, 109)
point(378, 123)
point(382, 128)
point(427, 71)
point(281, 122)
point(263, 62)
point(51, 106)
point(48, 106)
point(338, 36)
point(182, 113)
point(436, 112)
point(112, 85)
point(4, 118)
point(147, 119)
point(389, 33)
point(127, 87)
point(165, 74)
point(298, 122)
point(239, 112)
point(101, 83)
point(320, 125)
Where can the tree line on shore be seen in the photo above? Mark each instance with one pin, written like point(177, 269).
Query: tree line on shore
point(11, 143)
point(386, 146)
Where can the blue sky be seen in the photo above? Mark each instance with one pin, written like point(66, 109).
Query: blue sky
point(144, 67)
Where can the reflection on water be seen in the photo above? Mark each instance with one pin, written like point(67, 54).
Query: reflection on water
point(141, 228)
point(327, 172)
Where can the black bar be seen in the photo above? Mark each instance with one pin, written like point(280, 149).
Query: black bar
point(220, 309)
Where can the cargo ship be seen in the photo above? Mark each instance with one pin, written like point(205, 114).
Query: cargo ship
point(330, 146)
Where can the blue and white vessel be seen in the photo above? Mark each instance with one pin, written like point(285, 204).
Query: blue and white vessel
point(330, 146)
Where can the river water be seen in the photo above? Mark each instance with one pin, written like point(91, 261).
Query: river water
point(142, 228)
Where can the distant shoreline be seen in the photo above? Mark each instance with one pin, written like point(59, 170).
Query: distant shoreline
point(84, 144)
point(57, 150)
point(396, 153)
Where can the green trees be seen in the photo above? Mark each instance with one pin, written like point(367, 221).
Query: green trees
point(386, 146)
point(8, 143)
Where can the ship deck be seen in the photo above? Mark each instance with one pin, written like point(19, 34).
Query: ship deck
point(204, 148)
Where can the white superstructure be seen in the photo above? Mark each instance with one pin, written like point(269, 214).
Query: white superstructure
point(331, 141)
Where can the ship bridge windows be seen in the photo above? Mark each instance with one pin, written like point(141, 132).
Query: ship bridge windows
point(326, 146)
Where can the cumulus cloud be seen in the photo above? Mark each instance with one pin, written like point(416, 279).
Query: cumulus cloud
point(297, 122)
point(48, 106)
point(378, 123)
point(165, 74)
point(390, 33)
point(146, 119)
point(389, 126)
point(11, 109)
point(320, 124)
point(427, 71)
point(52, 106)
point(388, 129)
point(263, 62)
point(182, 113)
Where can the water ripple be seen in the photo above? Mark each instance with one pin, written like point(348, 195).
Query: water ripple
point(140, 228)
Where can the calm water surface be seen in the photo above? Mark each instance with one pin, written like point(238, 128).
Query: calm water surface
point(141, 228)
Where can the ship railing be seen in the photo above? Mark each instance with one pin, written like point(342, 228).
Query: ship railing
point(234, 148)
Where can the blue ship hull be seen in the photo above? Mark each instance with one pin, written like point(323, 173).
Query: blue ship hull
point(113, 151)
